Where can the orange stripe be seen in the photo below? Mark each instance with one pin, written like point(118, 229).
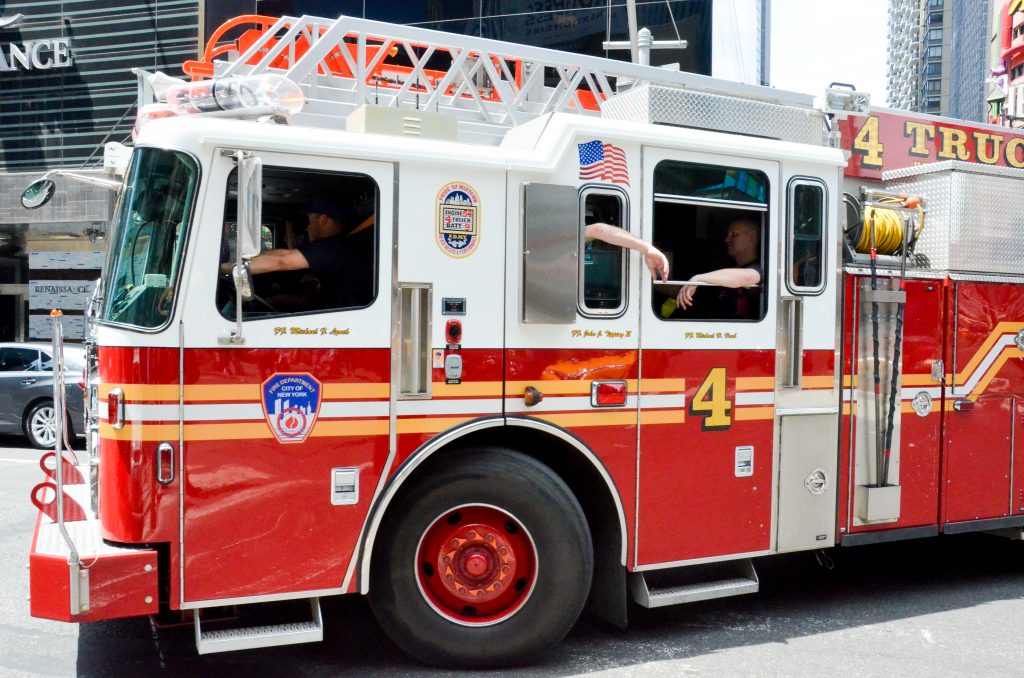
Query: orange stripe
point(487, 389)
point(1004, 355)
point(754, 413)
point(619, 418)
point(154, 392)
point(236, 392)
point(908, 380)
point(663, 416)
point(239, 431)
point(142, 432)
point(755, 383)
point(559, 387)
point(429, 424)
point(663, 385)
point(979, 355)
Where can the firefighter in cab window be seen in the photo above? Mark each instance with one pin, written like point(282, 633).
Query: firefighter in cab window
point(743, 245)
point(329, 266)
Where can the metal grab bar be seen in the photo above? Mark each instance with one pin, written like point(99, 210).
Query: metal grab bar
point(59, 408)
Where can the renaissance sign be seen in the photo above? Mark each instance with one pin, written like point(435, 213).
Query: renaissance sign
point(33, 55)
point(38, 55)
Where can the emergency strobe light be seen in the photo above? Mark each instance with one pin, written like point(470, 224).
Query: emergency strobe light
point(237, 96)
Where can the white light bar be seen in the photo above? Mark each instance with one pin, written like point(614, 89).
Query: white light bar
point(245, 96)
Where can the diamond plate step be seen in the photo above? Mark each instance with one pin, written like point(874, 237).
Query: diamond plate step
point(228, 640)
point(745, 582)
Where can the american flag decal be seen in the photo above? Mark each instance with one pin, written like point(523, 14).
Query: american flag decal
point(603, 162)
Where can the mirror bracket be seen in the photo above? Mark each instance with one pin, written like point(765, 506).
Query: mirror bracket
point(247, 231)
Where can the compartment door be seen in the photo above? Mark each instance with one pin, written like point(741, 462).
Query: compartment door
point(806, 388)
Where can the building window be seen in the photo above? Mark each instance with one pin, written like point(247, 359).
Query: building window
point(933, 70)
point(711, 219)
point(935, 4)
point(934, 18)
point(1016, 71)
point(933, 86)
point(934, 35)
point(934, 52)
point(931, 104)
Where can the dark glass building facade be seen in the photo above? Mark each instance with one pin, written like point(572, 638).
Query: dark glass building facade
point(66, 88)
point(58, 114)
point(579, 26)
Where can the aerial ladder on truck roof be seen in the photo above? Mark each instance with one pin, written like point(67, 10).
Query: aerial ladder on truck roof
point(489, 86)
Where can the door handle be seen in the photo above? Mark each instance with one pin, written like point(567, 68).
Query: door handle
point(165, 463)
point(792, 368)
point(29, 381)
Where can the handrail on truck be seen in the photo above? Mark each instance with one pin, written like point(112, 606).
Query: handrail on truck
point(59, 408)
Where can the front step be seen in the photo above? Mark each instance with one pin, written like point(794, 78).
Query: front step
point(721, 581)
point(228, 640)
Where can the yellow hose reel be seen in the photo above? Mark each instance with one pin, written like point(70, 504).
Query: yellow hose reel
point(888, 224)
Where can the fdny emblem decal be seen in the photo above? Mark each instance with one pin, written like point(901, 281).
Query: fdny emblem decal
point(291, 403)
point(458, 219)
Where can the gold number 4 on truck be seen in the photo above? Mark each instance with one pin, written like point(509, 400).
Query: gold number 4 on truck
point(711, 402)
point(868, 144)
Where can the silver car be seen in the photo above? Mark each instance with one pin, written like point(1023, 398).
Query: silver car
point(26, 391)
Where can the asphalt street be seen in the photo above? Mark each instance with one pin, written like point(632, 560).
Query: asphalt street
point(951, 606)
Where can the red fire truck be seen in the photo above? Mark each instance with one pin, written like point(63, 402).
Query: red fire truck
point(477, 417)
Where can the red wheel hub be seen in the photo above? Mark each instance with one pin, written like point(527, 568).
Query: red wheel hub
point(476, 564)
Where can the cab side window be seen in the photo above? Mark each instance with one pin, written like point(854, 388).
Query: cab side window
point(806, 237)
point(602, 265)
point(711, 221)
point(319, 249)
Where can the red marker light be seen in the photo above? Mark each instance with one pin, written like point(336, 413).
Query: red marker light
point(115, 408)
point(608, 393)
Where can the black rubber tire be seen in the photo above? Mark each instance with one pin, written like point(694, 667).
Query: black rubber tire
point(544, 505)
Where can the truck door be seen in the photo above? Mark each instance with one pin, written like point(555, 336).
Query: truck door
point(286, 434)
point(706, 463)
point(572, 323)
point(806, 389)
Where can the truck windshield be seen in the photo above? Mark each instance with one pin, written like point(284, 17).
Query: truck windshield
point(148, 238)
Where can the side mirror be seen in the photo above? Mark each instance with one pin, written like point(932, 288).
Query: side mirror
point(38, 194)
point(250, 205)
point(243, 280)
